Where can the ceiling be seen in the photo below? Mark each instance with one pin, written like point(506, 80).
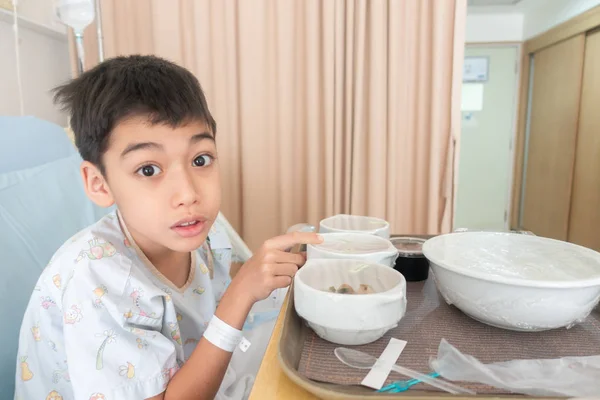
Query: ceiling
point(485, 3)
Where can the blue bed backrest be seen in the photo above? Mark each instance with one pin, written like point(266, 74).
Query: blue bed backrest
point(42, 204)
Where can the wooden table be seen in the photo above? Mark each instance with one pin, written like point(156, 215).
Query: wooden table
point(271, 383)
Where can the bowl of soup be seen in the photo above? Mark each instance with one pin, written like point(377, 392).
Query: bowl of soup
point(349, 302)
point(354, 246)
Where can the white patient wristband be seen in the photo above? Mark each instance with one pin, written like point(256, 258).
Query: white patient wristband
point(224, 336)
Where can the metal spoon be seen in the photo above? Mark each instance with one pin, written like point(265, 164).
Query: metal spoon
point(358, 359)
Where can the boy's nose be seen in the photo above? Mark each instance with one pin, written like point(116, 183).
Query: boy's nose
point(185, 192)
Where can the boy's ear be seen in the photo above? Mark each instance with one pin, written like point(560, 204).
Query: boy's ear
point(96, 186)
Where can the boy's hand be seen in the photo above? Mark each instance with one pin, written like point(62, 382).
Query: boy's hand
point(271, 267)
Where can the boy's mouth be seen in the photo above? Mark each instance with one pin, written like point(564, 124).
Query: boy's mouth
point(189, 227)
point(188, 223)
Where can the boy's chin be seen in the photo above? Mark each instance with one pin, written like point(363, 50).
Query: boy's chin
point(187, 245)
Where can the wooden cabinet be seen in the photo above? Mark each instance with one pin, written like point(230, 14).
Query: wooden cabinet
point(557, 167)
point(552, 138)
point(584, 221)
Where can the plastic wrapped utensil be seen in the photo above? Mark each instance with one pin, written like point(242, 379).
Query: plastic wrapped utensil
point(567, 376)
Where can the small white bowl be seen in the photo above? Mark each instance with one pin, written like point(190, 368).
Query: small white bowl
point(349, 319)
point(355, 223)
point(354, 246)
point(514, 281)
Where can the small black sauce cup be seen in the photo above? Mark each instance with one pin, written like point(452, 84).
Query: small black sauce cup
point(411, 262)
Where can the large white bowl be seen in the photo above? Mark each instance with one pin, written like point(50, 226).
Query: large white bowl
point(349, 319)
point(354, 246)
point(355, 223)
point(513, 281)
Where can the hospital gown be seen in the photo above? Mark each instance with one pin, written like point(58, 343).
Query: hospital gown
point(104, 324)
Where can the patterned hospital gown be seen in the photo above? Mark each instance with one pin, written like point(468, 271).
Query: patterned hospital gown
point(103, 323)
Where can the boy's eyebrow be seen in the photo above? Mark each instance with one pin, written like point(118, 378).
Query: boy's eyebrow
point(140, 146)
point(201, 136)
point(151, 145)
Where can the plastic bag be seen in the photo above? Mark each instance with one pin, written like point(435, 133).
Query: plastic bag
point(568, 376)
point(352, 244)
point(355, 223)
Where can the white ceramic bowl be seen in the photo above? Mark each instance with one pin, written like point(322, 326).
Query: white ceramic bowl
point(513, 281)
point(354, 246)
point(349, 319)
point(355, 223)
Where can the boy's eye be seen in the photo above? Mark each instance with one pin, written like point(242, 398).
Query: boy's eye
point(149, 170)
point(202, 161)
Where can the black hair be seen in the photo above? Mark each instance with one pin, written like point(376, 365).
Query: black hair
point(125, 87)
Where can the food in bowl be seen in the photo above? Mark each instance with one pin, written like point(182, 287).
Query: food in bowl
point(349, 319)
point(354, 246)
point(347, 289)
point(355, 223)
point(514, 281)
point(411, 262)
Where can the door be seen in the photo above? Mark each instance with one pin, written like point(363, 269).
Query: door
point(484, 166)
point(584, 224)
point(550, 141)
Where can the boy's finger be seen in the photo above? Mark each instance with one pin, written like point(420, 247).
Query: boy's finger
point(291, 258)
point(288, 240)
point(285, 269)
point(282, 281)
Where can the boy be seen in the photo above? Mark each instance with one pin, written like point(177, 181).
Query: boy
point(140, 305)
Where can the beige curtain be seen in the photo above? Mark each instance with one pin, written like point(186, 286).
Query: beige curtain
point(322, 106)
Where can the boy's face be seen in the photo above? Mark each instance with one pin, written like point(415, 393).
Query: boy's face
point(165, 182)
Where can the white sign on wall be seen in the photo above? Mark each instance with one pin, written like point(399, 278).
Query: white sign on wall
point(476, 69)
point(472, 97)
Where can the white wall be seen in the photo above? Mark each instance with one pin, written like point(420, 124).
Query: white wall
point(496, 27)
point(522, 21)
point(542, 15)
point(41, 13)
point(44, 64)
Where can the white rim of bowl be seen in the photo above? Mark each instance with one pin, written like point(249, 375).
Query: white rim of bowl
point(385, 223)
point(388, 327)
point(578, 283)
point(331, 261)
point(391, 249)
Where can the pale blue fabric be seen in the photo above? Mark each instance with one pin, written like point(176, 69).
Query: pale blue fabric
point(40, 208)
point(42, 204)
point(27, 142)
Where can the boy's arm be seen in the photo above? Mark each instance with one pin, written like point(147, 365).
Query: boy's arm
point(200, 377)
point(235, 267)
point(270, 268)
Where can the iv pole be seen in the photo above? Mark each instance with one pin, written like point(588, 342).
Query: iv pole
point(80, 52)
point(99, 31)
point(78, 34)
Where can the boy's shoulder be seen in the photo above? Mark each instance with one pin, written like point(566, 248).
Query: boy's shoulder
point(100, 243)
point(97, 241)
